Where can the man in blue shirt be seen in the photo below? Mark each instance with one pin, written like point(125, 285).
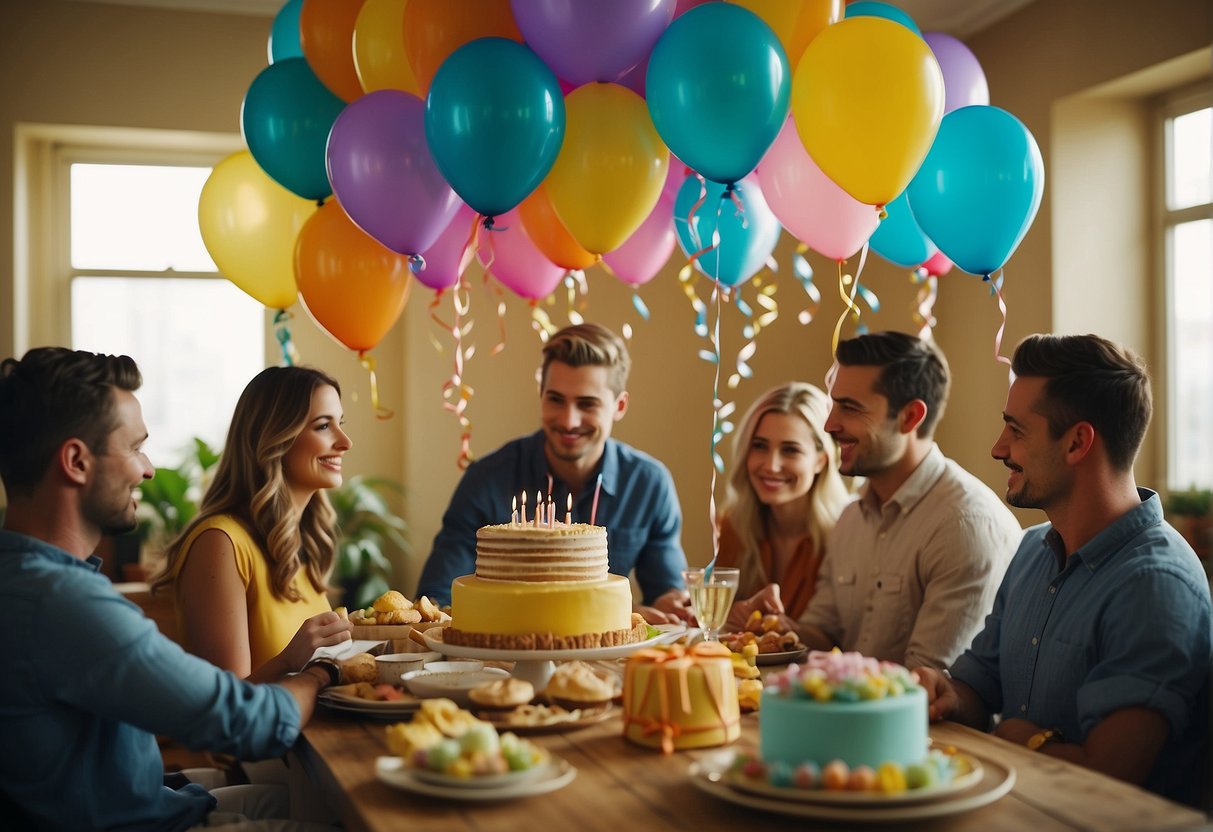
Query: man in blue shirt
point(582, 395)
point(1098, 649)
point(89, 681)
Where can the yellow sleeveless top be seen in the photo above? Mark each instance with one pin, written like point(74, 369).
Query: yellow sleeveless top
point(272, 621)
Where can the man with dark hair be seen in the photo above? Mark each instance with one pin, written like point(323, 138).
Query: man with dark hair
point(582, 394)
point(912, 565)
point(89, 680)
point(1100, 643)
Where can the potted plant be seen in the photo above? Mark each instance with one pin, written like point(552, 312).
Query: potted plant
point(1189, 511)
point(367, 530)
point(169, 501)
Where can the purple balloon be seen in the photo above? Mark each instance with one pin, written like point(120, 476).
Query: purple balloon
point(592, 41)
point(449, 256)
point(383, 174)
point(964, 82)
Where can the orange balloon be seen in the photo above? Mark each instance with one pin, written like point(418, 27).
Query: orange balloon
point(796, 22)
point(352, 286)
point(549, 235)
point(433, 29)
point(326, 36)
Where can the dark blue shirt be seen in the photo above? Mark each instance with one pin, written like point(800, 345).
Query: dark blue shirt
point(87, 684)
point(637, 505)
point(1125, 621)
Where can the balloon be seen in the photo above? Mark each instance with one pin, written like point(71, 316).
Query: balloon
point(611, 168)
point(869, 8)
point(285, 119)
point(899, 239)
point(494, 120)
point(938, 265)
point(448, 258)
point(746, 241)
point(382, 171)
point(326, 34)
point(795, 22)
point(717, 88)
point(808, 203)
point(284, 34)
point(595, 41)
point(868, 97)
point(508, 254)
point(548, 233)
point(379, 56)
point(979, 187)
point(644, 254)
point(354, 288)
point(684, 6)
point(676, 173)
point(964, 82)
point(434, 29)
point(249, 224)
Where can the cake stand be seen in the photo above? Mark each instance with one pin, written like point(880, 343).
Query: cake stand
point(536, 666)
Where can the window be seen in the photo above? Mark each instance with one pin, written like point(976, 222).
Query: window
point(130, 274)
point(1187, 228)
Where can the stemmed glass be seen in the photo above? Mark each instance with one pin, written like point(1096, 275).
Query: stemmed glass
point(711, 598)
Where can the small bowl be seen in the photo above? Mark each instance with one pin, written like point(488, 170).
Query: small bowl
point(426, 684)
point(462, 666)
point(391, 667)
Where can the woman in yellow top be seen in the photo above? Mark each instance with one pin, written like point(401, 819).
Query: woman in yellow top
point(249, 572)
point(783, 496)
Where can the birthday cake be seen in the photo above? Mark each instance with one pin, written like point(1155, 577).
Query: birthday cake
point(681, 697)
point(542, 587)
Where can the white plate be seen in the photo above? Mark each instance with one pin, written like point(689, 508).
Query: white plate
point(452, 685)
point(353, 704)
point(434, 640)
point(710, 774)
point(764, 788)
point(557, 774)
point(485, 781)
point(787, 657)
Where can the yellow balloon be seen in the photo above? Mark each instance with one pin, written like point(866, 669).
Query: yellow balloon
point(249, 224)
point(868, 98)
point(379, 56)
point(611, 168)
point(795, 22)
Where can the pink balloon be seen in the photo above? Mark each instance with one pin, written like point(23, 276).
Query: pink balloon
point(810, 204)
point(643, 255)
point(681, 7)
point(508, 254)
point(938, 265)
point(674, 176)
point(449, 256)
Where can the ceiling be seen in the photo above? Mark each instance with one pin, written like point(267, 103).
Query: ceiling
point(960, 18)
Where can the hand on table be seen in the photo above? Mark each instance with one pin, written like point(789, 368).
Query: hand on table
point(321, 630)
point(670, 608)
point(765, 601)
point(942, 698)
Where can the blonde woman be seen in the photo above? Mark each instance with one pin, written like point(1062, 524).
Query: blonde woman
point(783, 496)
point(249, 572)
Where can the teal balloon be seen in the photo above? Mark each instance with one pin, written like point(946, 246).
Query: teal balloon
point(284, 34)
point(718, 89)
point(494, 122)
point(746, 239)
point(899, 239)
point(286, 118)
point(871, 8)
point(979, 188)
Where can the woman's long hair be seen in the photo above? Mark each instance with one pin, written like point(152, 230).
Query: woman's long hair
point(825, 499)
point(249, 482)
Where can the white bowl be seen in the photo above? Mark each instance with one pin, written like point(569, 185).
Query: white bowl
point(391, 667)
point(462, 666)
point(426, 684)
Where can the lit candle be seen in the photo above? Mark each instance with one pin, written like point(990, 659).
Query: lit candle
point(549, 485)
point(568, 512)
point(523, 508)
point(538, 509)
point(551, 512)
point(594, 505)
point(514, 510)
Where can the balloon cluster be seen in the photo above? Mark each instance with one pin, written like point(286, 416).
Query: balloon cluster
point(542, 131)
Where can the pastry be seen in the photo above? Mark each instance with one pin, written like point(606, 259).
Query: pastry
point(502, 693)
point(577, 685)
point(359, 667)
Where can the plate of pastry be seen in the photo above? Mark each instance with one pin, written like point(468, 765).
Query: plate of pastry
point(555, 774)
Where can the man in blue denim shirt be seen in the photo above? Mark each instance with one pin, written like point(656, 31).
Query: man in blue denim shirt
point(1098, 649)
point(582, 394)
point(88, 679)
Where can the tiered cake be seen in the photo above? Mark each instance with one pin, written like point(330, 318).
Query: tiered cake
point(542, 587)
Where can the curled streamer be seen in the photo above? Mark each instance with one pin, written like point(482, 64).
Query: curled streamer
point(996, 289)
point(456, 394)
point(928, 291)
point(848, 298)
point(282, 334)
point(804, 274)
point(368, 364)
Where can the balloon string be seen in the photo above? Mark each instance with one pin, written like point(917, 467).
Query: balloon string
point(928, 291)
point(368, 364)
point(804, 274)
point(1002, 308)
point(282, 334)
point(541, 322)
point(848, 298)
point(435, 302)
point(720, 427)
point(455, 393)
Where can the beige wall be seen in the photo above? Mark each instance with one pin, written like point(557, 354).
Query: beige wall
point(82, 63)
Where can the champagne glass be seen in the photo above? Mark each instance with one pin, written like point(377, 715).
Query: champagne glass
point(711, 597)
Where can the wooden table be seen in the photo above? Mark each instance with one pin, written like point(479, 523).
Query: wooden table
point(621, 786)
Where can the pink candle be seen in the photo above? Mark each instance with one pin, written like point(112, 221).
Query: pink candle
point(594, 505)
point(568, 512)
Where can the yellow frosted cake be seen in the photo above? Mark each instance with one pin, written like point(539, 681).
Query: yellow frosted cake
point(542, 588)
point(681, 697)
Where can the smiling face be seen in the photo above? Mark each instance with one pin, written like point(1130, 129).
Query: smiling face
point(868, 437)
point(783, 460)
point(314, 460)
point(108, 500)
point(578, 411)
point(1039, 477)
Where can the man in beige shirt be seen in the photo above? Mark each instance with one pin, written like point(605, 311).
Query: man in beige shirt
point(911, 569)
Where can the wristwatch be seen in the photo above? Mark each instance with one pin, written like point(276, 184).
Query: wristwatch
point(331, 665)
point(1042, 738)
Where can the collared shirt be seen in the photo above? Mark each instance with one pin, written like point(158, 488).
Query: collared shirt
point(1125, 622)
point(637, 505)
point(911, 581)
point(89, 681)
point(797, 582)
